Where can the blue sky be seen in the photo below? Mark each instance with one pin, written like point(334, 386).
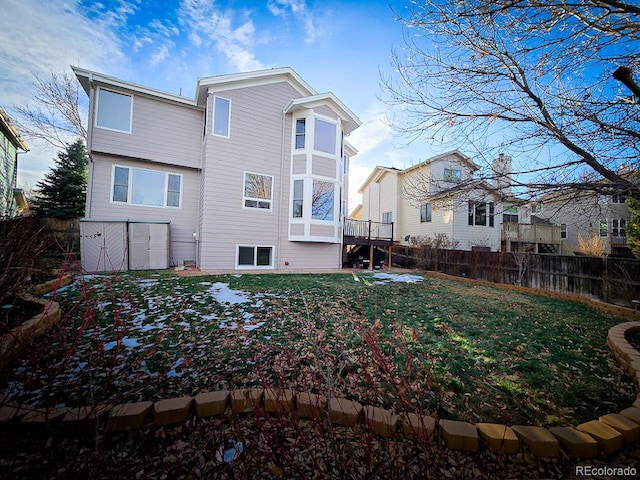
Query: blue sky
point(335, 46)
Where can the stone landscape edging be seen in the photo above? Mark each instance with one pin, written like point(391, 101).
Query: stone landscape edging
point(606, 435)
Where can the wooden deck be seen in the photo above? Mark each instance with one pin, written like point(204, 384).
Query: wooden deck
point(367, 232)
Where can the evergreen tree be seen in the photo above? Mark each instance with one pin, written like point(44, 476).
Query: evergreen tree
point(61, 194)
point(633, 226)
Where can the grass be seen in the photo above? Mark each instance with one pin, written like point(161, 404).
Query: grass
point(466, 352)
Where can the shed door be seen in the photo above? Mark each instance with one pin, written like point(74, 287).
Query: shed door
point(139, 239)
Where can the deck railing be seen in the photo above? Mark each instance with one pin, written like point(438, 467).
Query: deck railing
point(537, 233)
point(368, 229)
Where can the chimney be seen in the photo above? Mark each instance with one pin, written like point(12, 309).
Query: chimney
point(501, 175)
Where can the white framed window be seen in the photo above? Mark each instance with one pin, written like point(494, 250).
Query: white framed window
point(298, 198)
point(114, 111)
point(221, 116)
point(145, 187)
point(618, 199)
point(481, 213)
point(324, 138)
point(254, 257)
point(510, 215)
point(258, 191)
point(603, 227)
point(300, 132)
point(618, 227)
point(323, 200)
point(563, 231)
point(387, 217)
point(452, 175)
point(425, 213)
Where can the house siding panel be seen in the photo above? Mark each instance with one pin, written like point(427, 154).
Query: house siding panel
point(161, 132)
point(322, 166)
point(259, 142)
point(183, 220)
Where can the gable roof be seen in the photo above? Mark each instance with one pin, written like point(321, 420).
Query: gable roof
point(350, 120)
point(254, 78)
point(378, 171)
point(452, 153)
point(376, 175)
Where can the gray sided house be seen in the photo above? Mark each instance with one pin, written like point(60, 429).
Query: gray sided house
point(251, 174)
point(12, 200)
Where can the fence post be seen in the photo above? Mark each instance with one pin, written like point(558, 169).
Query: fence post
point(605, 279)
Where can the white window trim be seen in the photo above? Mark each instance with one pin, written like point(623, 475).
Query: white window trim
point(255, 257)
point(213, 118)
point(130, 187)
point(95, 122)
point(244, 197)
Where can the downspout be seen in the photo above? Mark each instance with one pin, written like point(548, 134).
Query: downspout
point(92, 105)
point(281, 212)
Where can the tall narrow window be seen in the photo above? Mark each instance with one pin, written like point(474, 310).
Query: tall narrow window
point(604, 228)
point(114, 111)
point(481, 214)
point(387, 217)
point(322, 200)
point(221, 116)
point(300, 132)
point(618, 227)
point(491, 214)
point(563, 230)
point(257, 191)
point(298, 198)
point(120, 184)
point(173, 190)
point(325, 137)
point(425, 213)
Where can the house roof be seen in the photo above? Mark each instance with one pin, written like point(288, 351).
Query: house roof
point(349, 119)
point(376, 175)
point(309, 97)
point(379, 171)
point(256, 77)
point(11, 132)
point(452, 153)
point(86, 77)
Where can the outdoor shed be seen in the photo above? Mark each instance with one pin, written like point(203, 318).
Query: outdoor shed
point(108, 245)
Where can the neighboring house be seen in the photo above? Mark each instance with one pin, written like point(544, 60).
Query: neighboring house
point(583, 214)
point(470, 218)
point(12, 200)
point(252, 173)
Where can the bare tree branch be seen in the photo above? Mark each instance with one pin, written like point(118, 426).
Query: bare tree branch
point(56, 114)
point(525, 76)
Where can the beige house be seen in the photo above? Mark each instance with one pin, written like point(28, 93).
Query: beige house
point(600, 220)
point(12, 199)
point(470, 218)
point(251, 174)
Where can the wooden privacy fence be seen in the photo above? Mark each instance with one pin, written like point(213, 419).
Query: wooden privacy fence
point(615, 280)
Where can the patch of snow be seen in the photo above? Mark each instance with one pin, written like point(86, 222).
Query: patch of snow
point(249, 328)
point(147, 283)
point(384, 278)
point(222, 294)
point(126, 342)
point(230, 326)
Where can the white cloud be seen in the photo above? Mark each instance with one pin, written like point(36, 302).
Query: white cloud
point(161, 54)
point(209, 22)
point(39, 38)
point(281, 8)
point(375, 129)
